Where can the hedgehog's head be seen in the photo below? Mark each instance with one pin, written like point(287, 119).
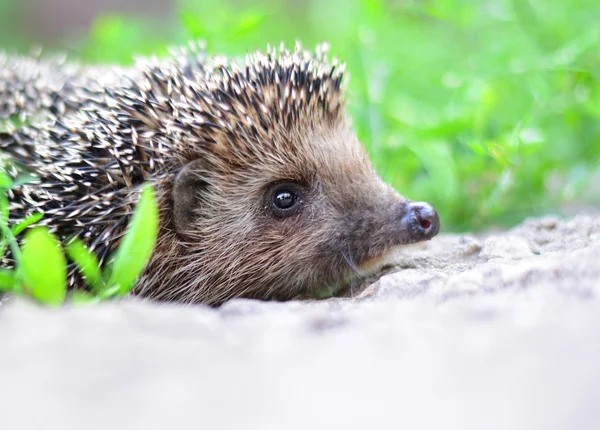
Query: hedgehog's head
point(279, 197)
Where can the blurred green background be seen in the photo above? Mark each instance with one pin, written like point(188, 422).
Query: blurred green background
point(490, 110)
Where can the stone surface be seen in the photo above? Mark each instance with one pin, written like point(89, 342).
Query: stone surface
point(470, 332)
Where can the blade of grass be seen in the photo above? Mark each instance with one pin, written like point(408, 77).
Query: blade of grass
point(8, 280)
point(30, 220)
point(137, 244)
point(87, 263)
point(44, 267)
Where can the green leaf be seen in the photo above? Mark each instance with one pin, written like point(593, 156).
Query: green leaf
point(4, 207)
point(373, 10)
point(137, 244)
point(24, 178)
point(438, 161)
point(109, 292)
point(83, 297)
point(8, 280)
point(30, 220)
point(87, 263)
point(5, 181)
point(192, 24)
point(4, 238)
point(44, 267)
point(247, 23)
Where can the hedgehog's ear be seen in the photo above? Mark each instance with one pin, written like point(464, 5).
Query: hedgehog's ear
point(187, 187)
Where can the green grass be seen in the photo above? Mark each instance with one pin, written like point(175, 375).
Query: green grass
point(488, 110)
point(41, 268)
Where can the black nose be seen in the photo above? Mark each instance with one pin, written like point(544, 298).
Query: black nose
point(424, 220)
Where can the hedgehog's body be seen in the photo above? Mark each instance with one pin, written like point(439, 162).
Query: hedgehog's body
point(263, 189)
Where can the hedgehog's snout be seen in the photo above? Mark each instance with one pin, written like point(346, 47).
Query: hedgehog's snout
point(422, 220)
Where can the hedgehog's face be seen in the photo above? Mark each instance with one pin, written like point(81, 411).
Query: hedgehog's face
point(288, 222)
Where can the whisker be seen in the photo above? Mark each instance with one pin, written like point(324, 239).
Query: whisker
point(361, 275)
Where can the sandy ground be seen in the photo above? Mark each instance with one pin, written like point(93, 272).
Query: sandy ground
point(490, 332)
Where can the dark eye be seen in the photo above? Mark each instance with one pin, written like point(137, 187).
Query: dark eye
point(285, 198)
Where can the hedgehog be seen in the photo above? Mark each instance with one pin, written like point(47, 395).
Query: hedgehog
point(264, 190)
